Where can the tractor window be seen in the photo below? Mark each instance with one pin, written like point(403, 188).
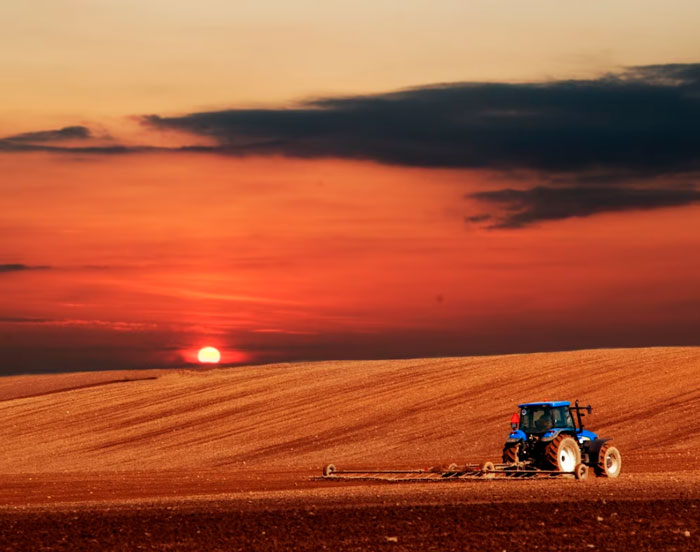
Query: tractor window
point(538, 419)
point(562, 417)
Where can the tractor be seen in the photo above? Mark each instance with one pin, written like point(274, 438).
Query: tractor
point(550, 436)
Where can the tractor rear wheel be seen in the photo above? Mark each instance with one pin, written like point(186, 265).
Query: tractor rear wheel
point(609, 461)
point(562, 454)
point(511, 452)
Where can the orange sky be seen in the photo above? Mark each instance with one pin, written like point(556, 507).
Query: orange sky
point(138, 260)
point(275, 259)
point(79, 60)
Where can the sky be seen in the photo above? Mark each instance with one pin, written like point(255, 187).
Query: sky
point(302, 180)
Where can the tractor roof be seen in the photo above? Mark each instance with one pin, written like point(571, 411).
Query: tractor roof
point(546, 403)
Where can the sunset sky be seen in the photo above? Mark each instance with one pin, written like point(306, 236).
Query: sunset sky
point(305, 180)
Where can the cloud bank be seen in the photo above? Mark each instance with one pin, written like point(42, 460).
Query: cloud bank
point(585, 140)
point(619, 142)
point(643, 120)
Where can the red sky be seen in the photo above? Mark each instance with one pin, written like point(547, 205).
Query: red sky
point(353, 236)
point(148, 258)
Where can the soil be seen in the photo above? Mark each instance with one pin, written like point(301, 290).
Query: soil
point(294, 511)
point(229, 459)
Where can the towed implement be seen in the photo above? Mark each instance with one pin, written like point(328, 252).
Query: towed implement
point(547, 441)
point(487, 470)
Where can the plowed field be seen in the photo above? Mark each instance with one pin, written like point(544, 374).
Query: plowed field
point(223, 458)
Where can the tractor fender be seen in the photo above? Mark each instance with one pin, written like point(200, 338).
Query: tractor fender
point(584, 435)
point(552, 433)
point(518, 435)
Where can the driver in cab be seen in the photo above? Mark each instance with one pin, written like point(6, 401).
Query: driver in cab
point(545, 421)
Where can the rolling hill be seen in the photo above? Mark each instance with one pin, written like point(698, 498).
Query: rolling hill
point(391, 412)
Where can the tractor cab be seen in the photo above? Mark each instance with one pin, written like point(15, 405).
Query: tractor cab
point(545, 420)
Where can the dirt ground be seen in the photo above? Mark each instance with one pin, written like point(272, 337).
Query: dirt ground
point(229, 459)
point(614, 525)
point(295, 511)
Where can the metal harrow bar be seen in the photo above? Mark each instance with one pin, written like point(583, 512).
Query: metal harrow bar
point(484, 471)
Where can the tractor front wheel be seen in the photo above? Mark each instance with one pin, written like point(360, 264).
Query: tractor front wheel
point(609, 461)
point(562, 454)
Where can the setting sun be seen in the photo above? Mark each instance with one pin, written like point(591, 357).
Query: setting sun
point(209, 355)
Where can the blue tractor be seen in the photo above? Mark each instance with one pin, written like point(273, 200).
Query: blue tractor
point(549, 435)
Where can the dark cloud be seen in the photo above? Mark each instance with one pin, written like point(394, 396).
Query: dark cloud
point(65, 133)
point(584, 140)
point(17, 267)
point(45, 140)
point(520, 208)
point(642, 120)
point(478, 218)
point(20, 147)
point(23, 320)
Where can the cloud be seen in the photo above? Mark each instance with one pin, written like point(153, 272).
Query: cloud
point(525, 207)
point(586, 141)
point(479, 218)
point(17, 267)
point(644, 119)
point(65, 133)
point(22, 320)
point(115, 325)
point(46, 140)
point(19, 147)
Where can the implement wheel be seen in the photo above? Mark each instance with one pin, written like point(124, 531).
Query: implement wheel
point(562, 454)
point(328, 470)
point(581, 472)
point(487, 470)
point(511, 452)
point(609, 461)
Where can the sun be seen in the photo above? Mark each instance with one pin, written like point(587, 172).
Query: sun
point(209, 355)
